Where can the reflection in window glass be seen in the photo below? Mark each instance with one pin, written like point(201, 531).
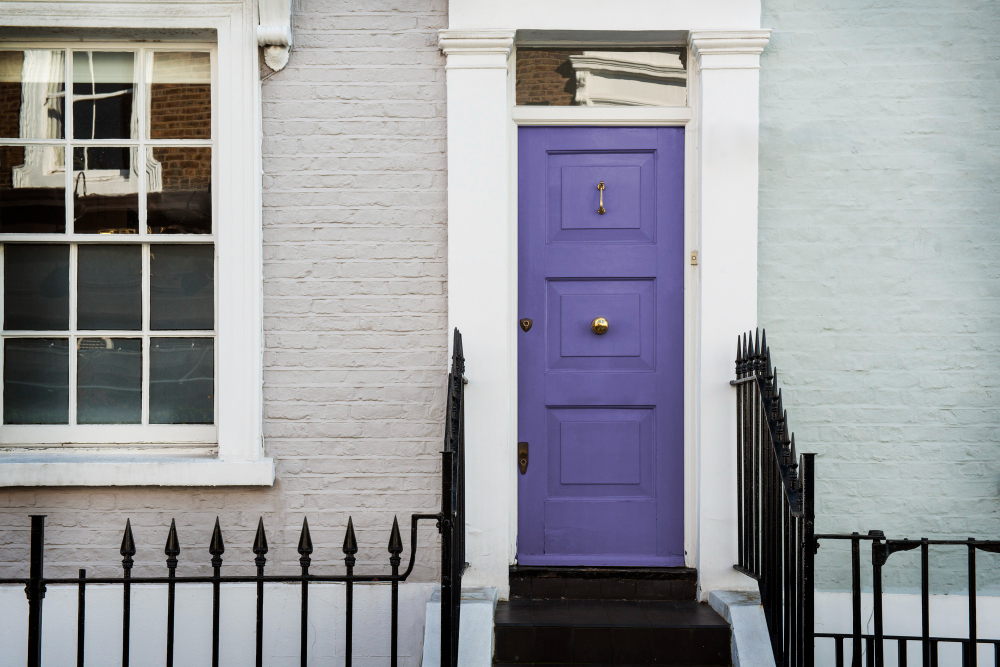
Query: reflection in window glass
point(179, 190)
point(182, 287)
point(36, 381)
point(103, 95)
point(180, 95)
point(181, 381)
point(35, 287)
point(105, 191)
point(109, 381)
point(32, 94)
point(109, 287)
point(565, 77)
point(32, 190)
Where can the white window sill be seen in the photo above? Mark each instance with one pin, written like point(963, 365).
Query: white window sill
point(102, 471)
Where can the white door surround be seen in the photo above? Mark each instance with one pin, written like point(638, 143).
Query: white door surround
point(720, 224)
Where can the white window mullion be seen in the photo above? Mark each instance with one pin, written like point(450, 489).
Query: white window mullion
point(73, 263)
point(67, 139)
point(145, 333)
point(140, 106)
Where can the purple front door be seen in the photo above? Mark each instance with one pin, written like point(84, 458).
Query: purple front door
point(602, 413)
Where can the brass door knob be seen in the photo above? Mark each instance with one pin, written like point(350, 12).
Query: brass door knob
point(599, 326)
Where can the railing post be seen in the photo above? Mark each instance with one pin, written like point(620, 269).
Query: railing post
point(35, 590)
point(809, 558)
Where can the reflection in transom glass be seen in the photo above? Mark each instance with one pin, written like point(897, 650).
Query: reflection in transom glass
point(605, 77)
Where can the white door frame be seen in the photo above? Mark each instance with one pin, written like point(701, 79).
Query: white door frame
point(720, 291)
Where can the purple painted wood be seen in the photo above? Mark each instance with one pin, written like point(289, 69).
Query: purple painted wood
point(603, 414)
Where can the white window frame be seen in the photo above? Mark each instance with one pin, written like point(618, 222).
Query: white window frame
point(111, 456)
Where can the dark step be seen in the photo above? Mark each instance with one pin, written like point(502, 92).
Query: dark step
point(603, 583)
point(619, 632)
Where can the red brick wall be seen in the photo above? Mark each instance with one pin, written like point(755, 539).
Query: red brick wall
point(544, 77)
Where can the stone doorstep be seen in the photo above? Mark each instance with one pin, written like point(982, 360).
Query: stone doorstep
point(603, 583)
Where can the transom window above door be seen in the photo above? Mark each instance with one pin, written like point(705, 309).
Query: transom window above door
point(601, 77)
point(108, 245)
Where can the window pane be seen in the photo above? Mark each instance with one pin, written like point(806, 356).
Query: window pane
point(32, 190)
point(181, 287)
point(36, 381)
point(35, 287)
point(109, 295)
point(105, 191)
point(103, 95)
point(32, 94)
point(179, 187)
point(180, 95)
point(109, 381)
point(182, 381)
point(601, 77)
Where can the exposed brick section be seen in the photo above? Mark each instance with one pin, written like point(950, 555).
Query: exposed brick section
point(355, 315)
point(880, 262)
point(545, 77)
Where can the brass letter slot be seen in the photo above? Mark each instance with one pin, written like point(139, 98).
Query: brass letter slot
point(522, 457)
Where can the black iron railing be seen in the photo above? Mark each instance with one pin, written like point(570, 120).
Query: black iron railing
point(775, 529)
point(450, 522)
point(868, 648)
point(777, 540)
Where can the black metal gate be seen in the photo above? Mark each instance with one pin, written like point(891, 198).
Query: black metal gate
point(450, 523)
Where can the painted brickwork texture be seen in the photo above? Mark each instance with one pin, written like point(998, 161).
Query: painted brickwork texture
point(879, 262)
point(354, 315)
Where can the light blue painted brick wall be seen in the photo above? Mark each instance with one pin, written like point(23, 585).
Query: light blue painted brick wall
point(880, 259)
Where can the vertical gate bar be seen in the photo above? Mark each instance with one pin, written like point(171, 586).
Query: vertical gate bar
point(127, 551)
point(172, 550)
point(925, 619)
point(758, 449)
point(350, 548)
point(809, 560)
point(35, 590)
point(877, 585)
point(965, 654)
point(447, 660)
point(934, 654)
point(856, 598)
point(216, 547)
point(839, 651)
point(260, 560)
point(395, 548)
point(973, 650)
point(739, 455)
point(870, 654)
point(305, 549)
point(901, 661)
point(81, 618)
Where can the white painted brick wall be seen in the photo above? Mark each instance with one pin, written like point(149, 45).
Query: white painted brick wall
point(880, 259)
point(354, 315)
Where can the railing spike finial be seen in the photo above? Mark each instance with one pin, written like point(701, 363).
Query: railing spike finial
point(260, 544)
point(763, 343)
point(305, 544)
point(395, 540)
point(128, 546)
point(350, 542)
point(216, 547)
point(395, 545)
point(173, 547)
